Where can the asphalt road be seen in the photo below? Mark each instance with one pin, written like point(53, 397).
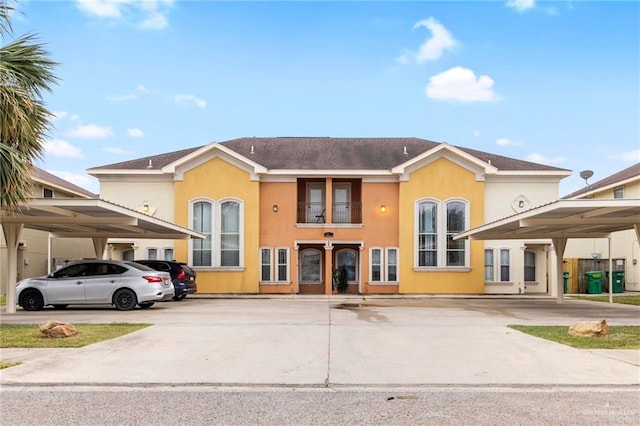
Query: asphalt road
point(332, 406)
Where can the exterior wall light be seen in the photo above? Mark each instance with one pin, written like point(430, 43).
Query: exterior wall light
point(383, 208)
point(275, 208)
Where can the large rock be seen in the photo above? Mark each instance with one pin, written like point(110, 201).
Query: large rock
point(590, 329)
point(57, 329)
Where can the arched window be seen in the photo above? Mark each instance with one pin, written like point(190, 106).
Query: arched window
point(310, 266)
point(347, 260)
point(222, 224)
point(437, 222)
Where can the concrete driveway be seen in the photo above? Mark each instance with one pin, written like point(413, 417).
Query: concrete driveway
point(331, 341)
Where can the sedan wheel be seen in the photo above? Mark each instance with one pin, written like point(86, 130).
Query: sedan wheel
point(32, 300)
point(125, 299)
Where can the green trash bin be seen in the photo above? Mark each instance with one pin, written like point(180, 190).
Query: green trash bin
point(594, 282)
point(618, 281)
point(565, 276)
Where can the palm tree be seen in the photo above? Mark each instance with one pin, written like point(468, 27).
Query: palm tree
point(25, 73)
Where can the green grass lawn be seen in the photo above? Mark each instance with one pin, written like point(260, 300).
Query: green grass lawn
point(627, 300)
point(7, 364)
point(3, 300)
point(29, 336)
point(620, 337)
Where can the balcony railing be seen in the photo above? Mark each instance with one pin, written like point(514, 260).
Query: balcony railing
point(341, 213)
point(346, 213)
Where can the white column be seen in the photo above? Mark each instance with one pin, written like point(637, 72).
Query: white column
point(12, 233)
point(559, 245)
point(99, 244)
point(610, 273)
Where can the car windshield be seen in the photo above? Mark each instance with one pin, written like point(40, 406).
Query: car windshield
point(139, 266)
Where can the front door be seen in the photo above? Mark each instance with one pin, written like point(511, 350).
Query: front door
point(315, 202)
point(341, 202)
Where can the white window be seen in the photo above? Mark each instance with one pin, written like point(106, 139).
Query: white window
point(222, 223)
point(529, 265)
point(383, 264)
point(282, 263)
point(152, 253)
point(488, 265)
point(392, 264)
point(375, 259)
point(504, 264)
point(437, 222)
point(168, 254)
point(503, 270)
point(265, 264)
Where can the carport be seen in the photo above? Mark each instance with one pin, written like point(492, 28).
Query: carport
point(561, 220)
point(80, 218)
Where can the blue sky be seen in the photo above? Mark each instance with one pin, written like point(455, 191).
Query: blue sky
point(551, 82)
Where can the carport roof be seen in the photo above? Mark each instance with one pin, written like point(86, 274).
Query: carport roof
point(593, 218)
point(91, 218)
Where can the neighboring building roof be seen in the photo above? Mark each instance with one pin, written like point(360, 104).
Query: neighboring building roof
point(46, 178)
point(325, 153)
point(610, 181)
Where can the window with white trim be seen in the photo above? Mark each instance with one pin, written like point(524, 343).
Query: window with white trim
point(282, 264)
point(488, 265)
point(375, 268)
point(265, 264)
point(505, 264)
point(437, 222)
point(152, 253)
point(383, 264)
point(392, 264)
point(279, 272)
point(168, 254)
point(529, 265)
point(222, 223)
point(500, 272)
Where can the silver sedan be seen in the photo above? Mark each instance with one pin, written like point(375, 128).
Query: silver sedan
point(120, 283)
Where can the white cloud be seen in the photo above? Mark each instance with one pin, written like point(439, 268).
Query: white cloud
point(627, 157)
point(476, 133)
point(521, 5)
point(57, 115)
point(115, 150)
point(155, 21)
point(82, 181)
point(405, 57)
point(460, 85)
point(141, 88)
point(121, 98)
point(135, 133)
point(507, 142)
point(100, 8)
point(440, 40)
point(74, 117)
point(90, 131)
point(188, 100)
point(541, 159)
point(144, 14)
point(61, 148)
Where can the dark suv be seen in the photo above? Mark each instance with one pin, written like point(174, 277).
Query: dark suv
point(183, 277)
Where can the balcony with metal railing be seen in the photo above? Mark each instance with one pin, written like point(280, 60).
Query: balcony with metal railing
point(340, 213)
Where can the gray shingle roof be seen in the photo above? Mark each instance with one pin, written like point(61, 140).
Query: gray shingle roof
point(325, 153)
point(54, 180)
point(620, 176)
